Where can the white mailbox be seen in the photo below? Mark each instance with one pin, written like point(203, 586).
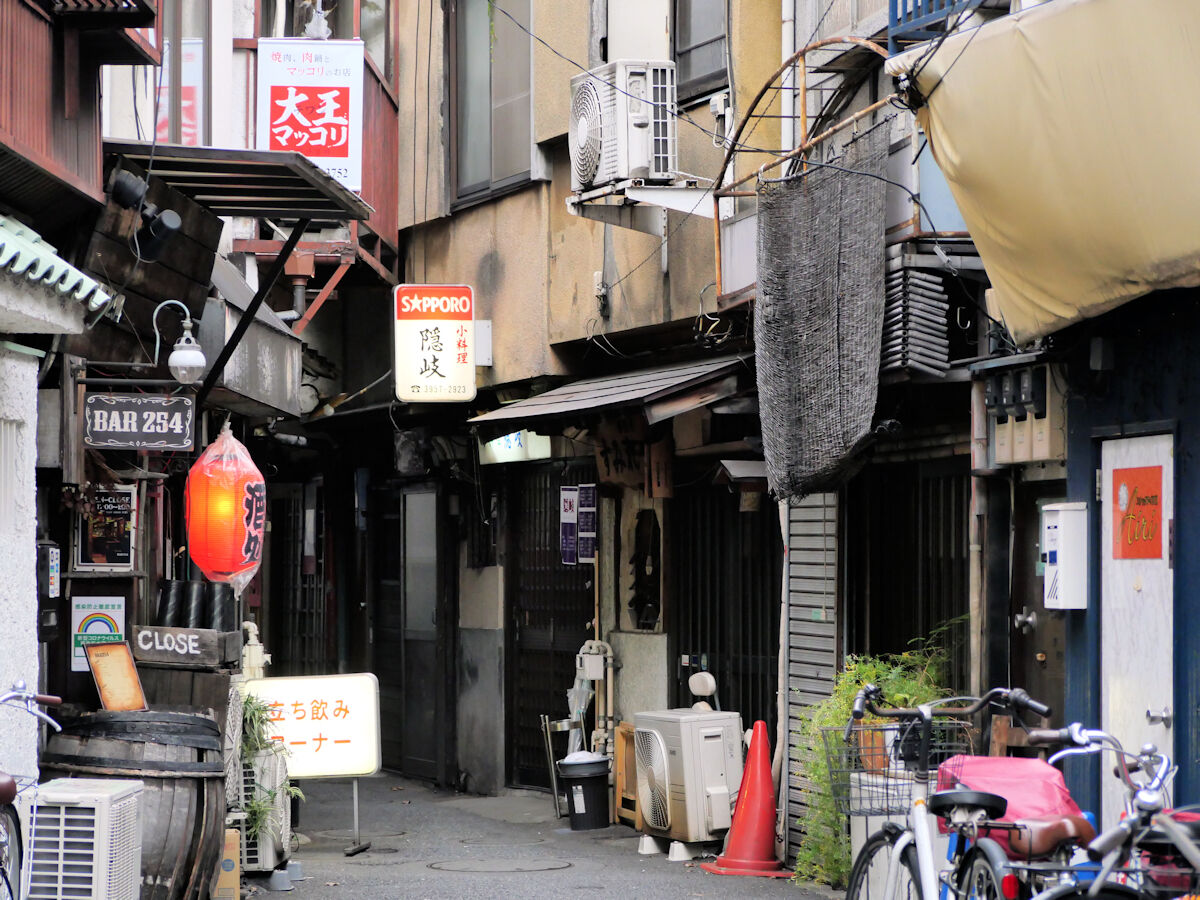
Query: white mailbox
point(1065, 553)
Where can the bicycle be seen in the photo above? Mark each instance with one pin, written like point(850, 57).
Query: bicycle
point(13, 876)
point(1150, 852)
point(898, 779)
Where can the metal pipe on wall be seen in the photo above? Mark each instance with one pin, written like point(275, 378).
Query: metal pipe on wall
point(787, 96)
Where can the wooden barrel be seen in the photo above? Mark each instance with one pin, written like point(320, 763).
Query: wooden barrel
point(178, 758)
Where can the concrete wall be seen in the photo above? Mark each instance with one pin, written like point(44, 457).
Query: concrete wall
point(501, 249)
point(481, 677)
point(18, 573)
point(557, 23)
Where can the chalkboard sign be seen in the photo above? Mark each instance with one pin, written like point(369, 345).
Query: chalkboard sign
point(138, 422)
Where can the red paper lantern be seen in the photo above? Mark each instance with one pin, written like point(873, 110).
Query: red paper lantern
point(226, 512)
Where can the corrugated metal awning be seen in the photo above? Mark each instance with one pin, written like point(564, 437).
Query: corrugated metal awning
point(661, 393)
point(268, 183)
point(24, 254)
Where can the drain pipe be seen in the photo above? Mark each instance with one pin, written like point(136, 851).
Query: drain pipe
point(787, 96)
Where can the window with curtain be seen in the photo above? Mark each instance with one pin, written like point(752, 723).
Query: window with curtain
point(492, 96)
point(699, 43)
point(374, 16)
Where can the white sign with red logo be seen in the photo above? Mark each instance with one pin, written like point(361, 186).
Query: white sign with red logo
point(435, 343)
point(310, 96)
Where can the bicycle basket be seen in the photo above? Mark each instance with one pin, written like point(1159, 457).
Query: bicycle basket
point(878, 772)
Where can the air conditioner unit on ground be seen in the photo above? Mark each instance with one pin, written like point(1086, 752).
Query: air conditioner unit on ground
point(264, 779)
point(623, 123)
point(689, 768)
point(86, 840)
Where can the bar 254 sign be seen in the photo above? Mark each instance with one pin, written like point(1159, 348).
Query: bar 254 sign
point(138, 422)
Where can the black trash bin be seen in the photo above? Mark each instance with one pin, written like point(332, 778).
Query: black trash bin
point(586, 785)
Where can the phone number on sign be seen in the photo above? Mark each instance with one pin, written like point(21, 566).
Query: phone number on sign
point(439, 389)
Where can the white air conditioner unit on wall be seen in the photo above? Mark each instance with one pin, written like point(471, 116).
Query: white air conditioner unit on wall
point(87, 840)
point(689, 768)
point(623, 123)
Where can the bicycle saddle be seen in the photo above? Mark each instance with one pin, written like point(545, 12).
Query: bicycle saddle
point(1042, 836)
point(8, 789)
point(993, 805)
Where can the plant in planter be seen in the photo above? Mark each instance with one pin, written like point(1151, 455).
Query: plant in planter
point(266, 791)
point(915, 676)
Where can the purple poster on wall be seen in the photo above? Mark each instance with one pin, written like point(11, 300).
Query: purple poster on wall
point(568, 524)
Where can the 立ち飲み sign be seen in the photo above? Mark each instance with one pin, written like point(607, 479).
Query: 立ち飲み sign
point(329, 724)
point(435, 343)
point(310, 101)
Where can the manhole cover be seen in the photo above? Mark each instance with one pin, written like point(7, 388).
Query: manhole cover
point(347, 834)
point(500, 842)
point(500, 865)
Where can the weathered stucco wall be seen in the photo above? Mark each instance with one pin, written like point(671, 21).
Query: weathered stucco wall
point(557, 22)
point(18, 572)
point(500, 249)
point(642, 678)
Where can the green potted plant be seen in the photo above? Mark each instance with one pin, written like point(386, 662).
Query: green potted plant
point(915, 676)
point(266, 791)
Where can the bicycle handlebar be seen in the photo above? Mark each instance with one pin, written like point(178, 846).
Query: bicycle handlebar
point(1110, 840)
point(1047, 736)
point(29, 700)
point(869, 694)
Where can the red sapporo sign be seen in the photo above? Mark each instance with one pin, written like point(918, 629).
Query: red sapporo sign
point(435, 343)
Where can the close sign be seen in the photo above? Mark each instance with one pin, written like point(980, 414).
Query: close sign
point(435, 343)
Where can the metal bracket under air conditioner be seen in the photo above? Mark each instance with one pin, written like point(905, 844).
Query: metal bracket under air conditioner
point(634, 204)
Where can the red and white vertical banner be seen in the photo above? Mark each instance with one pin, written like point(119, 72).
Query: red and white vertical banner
point(191, 92)
point(435, 343)
point(310, 96)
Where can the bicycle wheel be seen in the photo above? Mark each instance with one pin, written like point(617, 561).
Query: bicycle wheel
point(868, 876)
point(978, 879)
point(10, 854)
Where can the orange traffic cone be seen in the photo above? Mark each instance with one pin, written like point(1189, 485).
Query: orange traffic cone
point(750, 849)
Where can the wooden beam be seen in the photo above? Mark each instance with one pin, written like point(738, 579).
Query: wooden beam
point(322, 297)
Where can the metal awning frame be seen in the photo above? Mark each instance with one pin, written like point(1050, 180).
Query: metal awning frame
point(282, 185)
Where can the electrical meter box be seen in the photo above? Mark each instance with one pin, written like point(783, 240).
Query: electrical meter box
point(1065, 555)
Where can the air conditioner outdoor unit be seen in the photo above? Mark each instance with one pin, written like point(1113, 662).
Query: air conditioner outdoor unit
point(623, 123)
point(86, 840)
point(689, 768)
point(264, 783)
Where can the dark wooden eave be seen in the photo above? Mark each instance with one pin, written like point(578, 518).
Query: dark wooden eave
point(103, 13)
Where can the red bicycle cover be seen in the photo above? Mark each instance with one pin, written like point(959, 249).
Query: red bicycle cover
point(1033, 788)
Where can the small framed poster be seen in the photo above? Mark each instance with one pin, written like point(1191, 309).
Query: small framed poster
point(105, 540)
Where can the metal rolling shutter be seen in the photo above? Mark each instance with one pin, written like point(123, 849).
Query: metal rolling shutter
point(812, 629)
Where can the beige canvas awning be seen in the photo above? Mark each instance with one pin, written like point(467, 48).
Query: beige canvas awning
point(1070, 139)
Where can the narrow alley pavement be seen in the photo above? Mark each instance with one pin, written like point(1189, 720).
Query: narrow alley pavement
point(427, 843)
